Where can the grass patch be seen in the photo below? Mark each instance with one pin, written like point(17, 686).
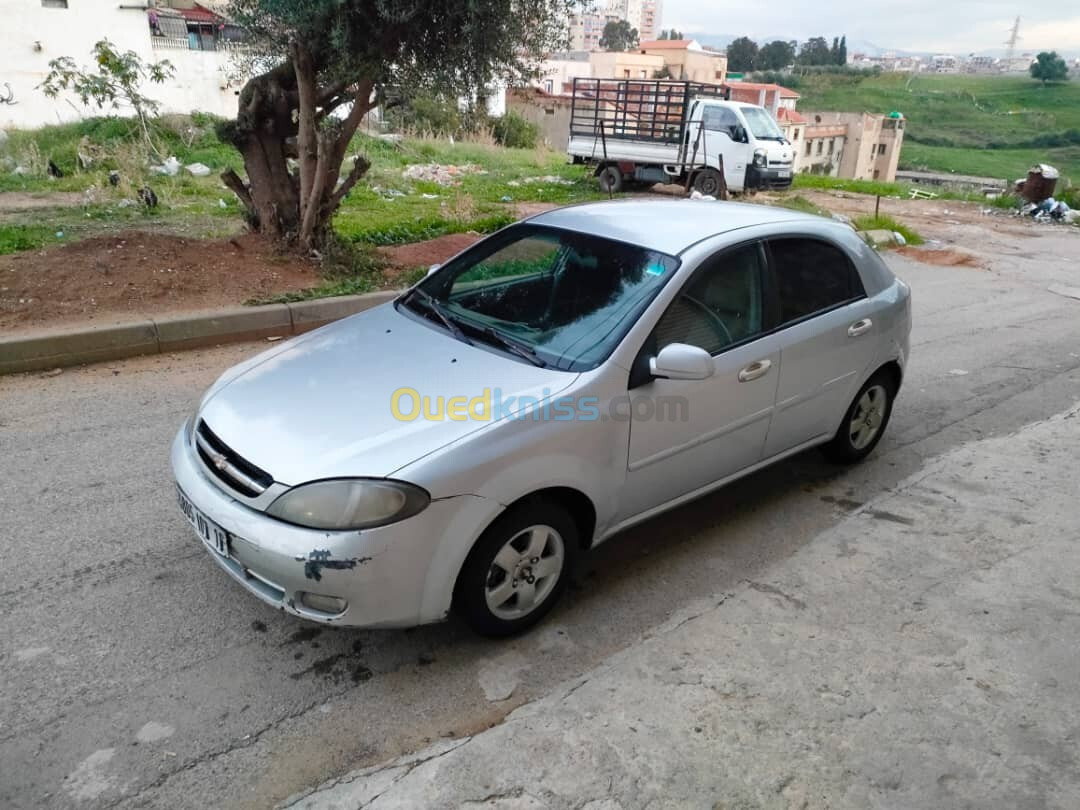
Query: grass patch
point(800, 203)
point(869, 222)
point(822, 183)
point(14, 238)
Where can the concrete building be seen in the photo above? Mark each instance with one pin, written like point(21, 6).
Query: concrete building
point(586, 24)
point(872, 143)
point(198, 42)
point(686, 59)
point(550, 113)
point(625, 64)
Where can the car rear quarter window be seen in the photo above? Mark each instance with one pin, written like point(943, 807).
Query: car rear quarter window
point(811, 276)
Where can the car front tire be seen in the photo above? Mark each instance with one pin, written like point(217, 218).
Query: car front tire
point(864, 422)
point(517, 570)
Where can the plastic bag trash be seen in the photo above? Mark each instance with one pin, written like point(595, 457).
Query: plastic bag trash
point(506, 198)
point(899, 237)
point(221, 203)
point(170, 167)
point(198, 169)
point(697, 195)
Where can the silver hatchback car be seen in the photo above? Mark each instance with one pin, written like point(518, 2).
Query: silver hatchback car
point(567, 377)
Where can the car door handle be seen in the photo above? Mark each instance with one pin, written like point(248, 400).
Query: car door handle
point(759, 368)
point(860, 327)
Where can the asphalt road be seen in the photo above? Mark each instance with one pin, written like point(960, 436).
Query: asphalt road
point(136, 674)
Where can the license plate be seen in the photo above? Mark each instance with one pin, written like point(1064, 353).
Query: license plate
point(783, 174)
point(213, 535)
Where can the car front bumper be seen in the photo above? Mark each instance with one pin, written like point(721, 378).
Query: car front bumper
point(762, 178)
point(393, 576)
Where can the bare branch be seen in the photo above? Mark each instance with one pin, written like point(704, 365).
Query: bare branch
point(232, 180)
point(359, 169)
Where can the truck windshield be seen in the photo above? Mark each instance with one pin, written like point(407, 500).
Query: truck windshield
point(761, 124)
point(566, 299)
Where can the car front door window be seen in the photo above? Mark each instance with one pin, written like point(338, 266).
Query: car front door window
point(721, 306)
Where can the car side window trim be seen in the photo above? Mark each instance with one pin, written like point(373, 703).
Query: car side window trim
point(773, 286)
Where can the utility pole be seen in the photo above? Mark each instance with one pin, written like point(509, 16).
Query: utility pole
point(1014, 37)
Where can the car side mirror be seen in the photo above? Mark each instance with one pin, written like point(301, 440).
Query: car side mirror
point(680, 361)
point(738, 134)
point(432, 269)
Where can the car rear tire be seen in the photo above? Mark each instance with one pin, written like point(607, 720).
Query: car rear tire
point(864, 422)
point(517, 570)
point(611, 179)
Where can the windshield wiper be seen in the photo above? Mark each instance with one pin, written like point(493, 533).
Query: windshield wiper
point(445, 317)
point(523, 350)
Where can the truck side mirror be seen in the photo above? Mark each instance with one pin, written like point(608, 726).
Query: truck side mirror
point(738, 134)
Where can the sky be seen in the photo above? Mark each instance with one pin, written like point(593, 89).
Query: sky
point(954, 26)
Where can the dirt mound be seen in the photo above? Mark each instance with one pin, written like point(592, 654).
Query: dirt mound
point(132, 274)
point(425, 254)
point(944, 257)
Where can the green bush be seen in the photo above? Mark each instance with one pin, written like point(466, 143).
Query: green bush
point(514, 131)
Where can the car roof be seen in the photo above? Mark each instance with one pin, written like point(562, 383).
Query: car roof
point(666, 226)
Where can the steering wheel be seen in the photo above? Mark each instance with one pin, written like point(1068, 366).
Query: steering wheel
point(714, 320)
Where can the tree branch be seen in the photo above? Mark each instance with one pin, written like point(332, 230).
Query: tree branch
point(232, 180)
point(359, 169)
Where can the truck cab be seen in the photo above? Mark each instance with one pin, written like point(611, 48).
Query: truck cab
point(756, 155)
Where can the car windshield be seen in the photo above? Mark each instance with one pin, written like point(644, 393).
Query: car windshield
point(761, 124)
point(557, 298)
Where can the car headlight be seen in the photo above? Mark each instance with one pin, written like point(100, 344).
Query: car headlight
point(759, 157)
point(349, 503)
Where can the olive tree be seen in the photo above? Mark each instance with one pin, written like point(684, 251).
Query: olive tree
point(327, 63)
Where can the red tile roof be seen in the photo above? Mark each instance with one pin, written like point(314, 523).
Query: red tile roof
point(199, 14)
point(791, 116)
point(768, 88)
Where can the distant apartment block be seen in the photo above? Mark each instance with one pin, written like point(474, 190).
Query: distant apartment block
point(586, 24)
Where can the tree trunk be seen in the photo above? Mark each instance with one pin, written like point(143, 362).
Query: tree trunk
point(284, 114)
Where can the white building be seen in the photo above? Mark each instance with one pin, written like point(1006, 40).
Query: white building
point(199, 44)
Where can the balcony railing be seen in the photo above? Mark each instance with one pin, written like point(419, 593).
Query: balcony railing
point(199, 44)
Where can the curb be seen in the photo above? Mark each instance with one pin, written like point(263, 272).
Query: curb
point(54, 349)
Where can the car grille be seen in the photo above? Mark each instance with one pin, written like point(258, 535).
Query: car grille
point(230, 468)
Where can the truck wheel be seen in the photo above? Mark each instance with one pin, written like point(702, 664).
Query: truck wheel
point(611, 179)
point(708, 181)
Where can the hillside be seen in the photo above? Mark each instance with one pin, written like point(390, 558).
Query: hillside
point(965, 124)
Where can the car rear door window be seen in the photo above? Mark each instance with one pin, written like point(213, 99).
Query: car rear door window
point(811, 276)
point(721, 305)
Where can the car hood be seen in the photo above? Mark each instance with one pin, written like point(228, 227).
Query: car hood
point(320, 407)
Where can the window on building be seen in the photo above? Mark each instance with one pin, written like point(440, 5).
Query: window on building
point(626, 73)
point(809, 148)
point(832, 145)
point(795, 135)
point(54, 3)
point(881, 149)
point(821, 146)
point(549, 110)
point(811, 277)
point(549, 85)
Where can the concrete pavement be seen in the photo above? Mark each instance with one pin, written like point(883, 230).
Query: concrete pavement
point(136, 674)
point(921, 654)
